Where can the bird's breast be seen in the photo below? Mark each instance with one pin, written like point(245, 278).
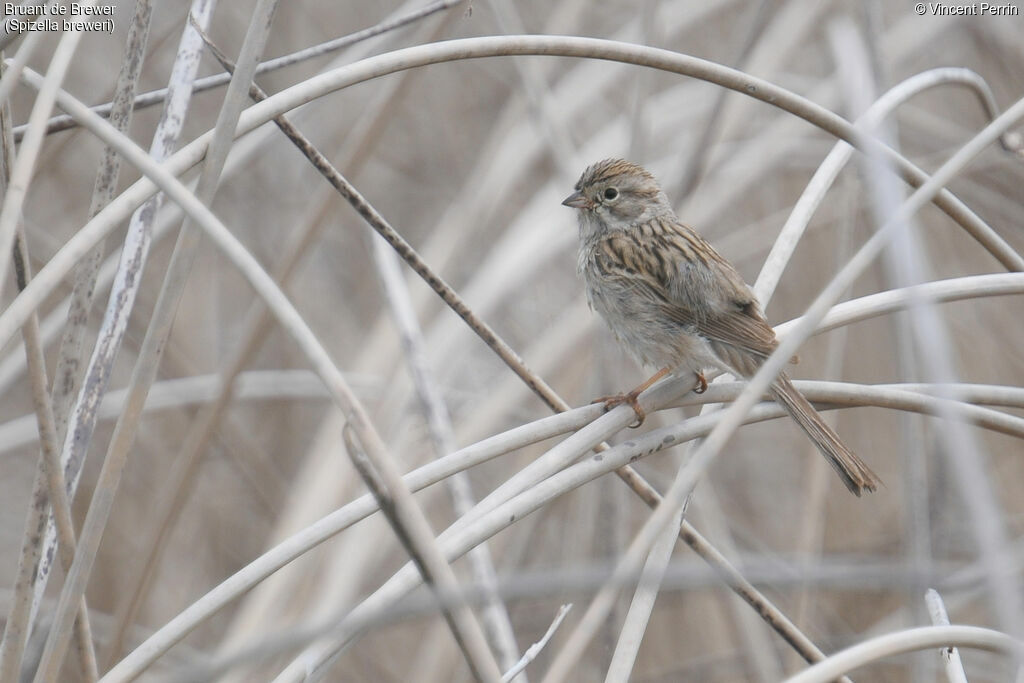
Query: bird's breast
point(636, 321)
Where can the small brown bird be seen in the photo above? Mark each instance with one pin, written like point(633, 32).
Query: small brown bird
point(675, 303)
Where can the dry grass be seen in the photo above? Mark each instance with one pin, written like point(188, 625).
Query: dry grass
point(228, 530)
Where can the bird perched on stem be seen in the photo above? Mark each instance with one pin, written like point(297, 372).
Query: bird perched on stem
point(676, 304)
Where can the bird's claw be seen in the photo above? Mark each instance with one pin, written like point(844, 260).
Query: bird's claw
point(702, 384)
point(618, 399)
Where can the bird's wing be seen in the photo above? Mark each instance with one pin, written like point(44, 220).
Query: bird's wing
point(692, 284)
point(744, 328)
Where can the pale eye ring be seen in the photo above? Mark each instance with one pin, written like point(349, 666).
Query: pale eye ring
point(611, 194)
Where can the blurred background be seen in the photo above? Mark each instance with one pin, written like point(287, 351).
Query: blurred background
point(469, 161)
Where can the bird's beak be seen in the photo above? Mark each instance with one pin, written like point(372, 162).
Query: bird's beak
point(577, 201)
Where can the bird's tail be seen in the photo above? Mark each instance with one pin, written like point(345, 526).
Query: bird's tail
point(852, 470)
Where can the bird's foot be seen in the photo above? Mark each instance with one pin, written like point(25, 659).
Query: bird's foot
point(618, 399)
point(702, 384)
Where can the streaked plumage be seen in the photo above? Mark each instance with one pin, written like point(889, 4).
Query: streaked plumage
point(674, 302)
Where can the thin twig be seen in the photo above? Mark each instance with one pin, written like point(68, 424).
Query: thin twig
point(461, 621)
point(817, 188)
point(289, 318)
point(83, 420)
point(535, 585)
point(55, 506)
point(185, 392)
point(507, 354)
point(154, 97)
point(281, 307)
point(407, 58)
point(858, 75)
point(910, 640)
point(71, 361)
point(950, 655)
point(697, 159)
point(140, 230)
point(71, 366)
point(467, 633)
point(786, 244)
point(816, 476)
point(300, 542)
point(49, 481)
point(905, 261)
point(463, 535)
point(497, 622)
point(354, 152)
point(543, 114)
point(733, 415)
point(13, 71)
point(534, 650)
point(9, 34)
point(638, 616)
point(24, 165)
point(237, 585)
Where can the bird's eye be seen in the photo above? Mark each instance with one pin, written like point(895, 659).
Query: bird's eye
point(611, 194)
